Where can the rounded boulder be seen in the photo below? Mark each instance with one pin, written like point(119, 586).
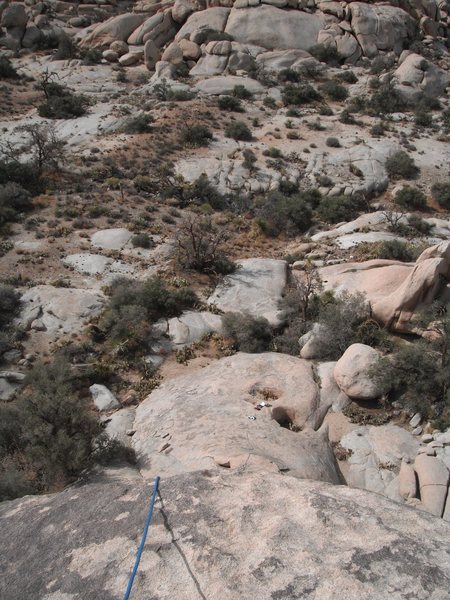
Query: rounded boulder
point(352, 372)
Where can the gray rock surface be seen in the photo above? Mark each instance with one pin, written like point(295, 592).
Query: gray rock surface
point(103, 398)
point(224, 85)
point(377, 453)
point(116, 28)
point(191, 327)
point(201, 420)
point(256, 287)
point(111, 239)
point(240, 535)
point(433, 478)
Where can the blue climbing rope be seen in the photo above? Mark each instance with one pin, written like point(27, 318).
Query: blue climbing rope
point(144, 537)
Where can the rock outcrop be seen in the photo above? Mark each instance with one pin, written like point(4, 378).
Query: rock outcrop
point(352, 372)
point(241, 535)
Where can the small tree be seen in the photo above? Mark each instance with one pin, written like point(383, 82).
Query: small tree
point(200, 246)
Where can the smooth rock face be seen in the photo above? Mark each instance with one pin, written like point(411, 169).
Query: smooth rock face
point(116, 28)
point(120, 424)
point(256, 287)
point(103, 398)
point(225, 85)
point(433, 482)
point(407, 481)
point(211, 18)
point(416, 75)
point(111, 239)
point(352, 372)
point(192, 326)
point(201, 420)
point(91, 264)
point(274, 28)
point(59, 310)
point(377, 453)
point(281, 538)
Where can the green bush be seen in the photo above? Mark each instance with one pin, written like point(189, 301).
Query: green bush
point(289, 75)
point(142, 240)
point(386, 99)
point(241, 92)
point(333, 142)
point(441, 193)
point(14, 200)
point(7, 71)
point(347, 76)
point(61, 103)
point(335, 209)
point(196, 136)
point(300, 94)
point(211, 35)
point(250, 334)
point(9, 304)
point(410, 197)
point(92, 56)
point(387, 250)
point(230, 103)
point(291, 214)
point(326, 54)
point(401, 166)
point(140, 124)
point(239, 131)
point(423, 118)
point(334, 90)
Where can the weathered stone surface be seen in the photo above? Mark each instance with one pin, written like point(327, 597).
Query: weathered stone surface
point(352, 372)
point(14, 16)
point(407, 481)
point(201, 420)
point(274, 28)
point(417, 76)
point(59, 310)
point(131, 58)
point(330, 394)
point(115, 28)
point(224, 85)
point(380, 27)
point(255, 287)
point(90, 264)
point(376, 456)
point(433, 483)
point(211, 18)
point(282, 538)
point(191, 326)
point(120, 424)
point(277, 60)
point(191, 50)
point(111, 239)
point(151, 55)
point(395, 290)
point(103, 398)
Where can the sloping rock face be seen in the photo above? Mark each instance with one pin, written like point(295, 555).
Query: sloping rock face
point(256, 287)
point(395, 290)
point(417, 76)
point(237, 536)
point(194, 422)
point(274, 28)
point(117, 28)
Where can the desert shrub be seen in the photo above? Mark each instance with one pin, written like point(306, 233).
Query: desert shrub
point(180, 95)
point(249, 159)
point(238, 130)
point(230, 103)
point(241, 92)
point(196, 136)
point(25, 175)
point(7, 71)
point(334, 90)
point(326, 54)
point(378, 129)
point(9, 304)
point(380, 64)
point(270, 102)
point(290, 214)
point(91, 56)
point(401, 166)
point(410, 197)
point(441, 193)
point(422, 118)
point(347, 118)
point(273, 152)
point(289, 75)
point(211, 35)
point(300, 94)
point(334, 209)
point(14, 200)
point(325, 110)
point(67, 49)
point(140, 124)
point(64, 106)
point(347, 76)
point(199, 192)
point(343, 321)
point(250, 334)
point(333, 142)
point(200, 246)
point(418, 374)
point(418, 225)
point(386, 99)
point(388, 250)
point(142, 240)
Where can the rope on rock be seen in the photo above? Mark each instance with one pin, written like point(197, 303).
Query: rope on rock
point(144, 537)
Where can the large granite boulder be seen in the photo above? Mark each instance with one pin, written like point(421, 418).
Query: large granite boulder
point(116, 28)
point(274, 28)
point(416, 76)
point(380, 27)
point(212, 18)
point(395, 290)
point(352, 372)
point(256, 287)
point(208, 420)
point(237, 536)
